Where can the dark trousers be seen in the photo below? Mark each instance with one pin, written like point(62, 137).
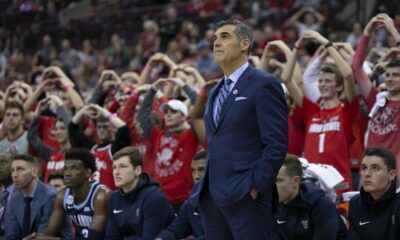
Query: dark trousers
point(247, 219)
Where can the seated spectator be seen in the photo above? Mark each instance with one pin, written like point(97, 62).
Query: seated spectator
point(174, 146)
point(138, 210)
point(56, 180)
point(328, 124)
point(149, 39)
point(47, 48)
point(354, 37)
point(188, 222)
point(105, 122)
point(84, 202)
point(69, 56)
point(205, 63)
point(15, 141)
point(374, 213)
point(31, 208)
point(7, 189)
point(53, 156)
point(117, 53)
point(269, 34)
point(312, 20)
point(304, 212)
point(383, 107)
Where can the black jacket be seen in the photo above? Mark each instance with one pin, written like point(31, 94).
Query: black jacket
point(310, 215)
point(139, 214)
point(188, 222)
point(375, 220)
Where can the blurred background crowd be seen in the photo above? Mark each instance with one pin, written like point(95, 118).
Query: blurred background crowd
point(104, 75)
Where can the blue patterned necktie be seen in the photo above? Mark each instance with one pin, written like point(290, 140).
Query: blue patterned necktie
point(223, 93)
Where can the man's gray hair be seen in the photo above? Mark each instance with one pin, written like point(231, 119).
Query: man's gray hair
point(242, 30)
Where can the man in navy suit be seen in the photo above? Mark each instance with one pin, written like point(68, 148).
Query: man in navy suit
point(246, 126)
point(30, 209)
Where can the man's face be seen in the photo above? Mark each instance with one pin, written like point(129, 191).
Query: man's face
point(75, 173)
point(61, 132)
point(124, 173)
point(286, 185)
point(13, 119)
point(22, 173)
point(227, 46)
point(66, 99)
point(375, 176)
point(56, 183)
point(5, 167)
point(104, 131)
point(393, 80)
point(327, 86)
point(173, 118)
point(198, 169)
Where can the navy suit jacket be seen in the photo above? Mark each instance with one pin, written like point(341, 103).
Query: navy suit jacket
point(41, 209)
point(247, 146)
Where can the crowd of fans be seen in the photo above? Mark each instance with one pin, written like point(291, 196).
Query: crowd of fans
point(90, 84)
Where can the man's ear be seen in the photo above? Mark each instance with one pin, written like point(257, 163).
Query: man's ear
point(340, 88)
point(35, 171)
point(297, 180)
point(392, 174)
point(138, 170)
point(244, 45)
point(88, 172)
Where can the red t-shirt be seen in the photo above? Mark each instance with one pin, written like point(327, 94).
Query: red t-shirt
point(46, 131)
point(55, 164)
point(383, 127)
point(137, 139)
point(296, 133)
point(357, 147)
point(104, 173)
point(329, 134)
point(172, 159)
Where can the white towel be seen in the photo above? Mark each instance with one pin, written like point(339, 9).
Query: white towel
point(381, 99)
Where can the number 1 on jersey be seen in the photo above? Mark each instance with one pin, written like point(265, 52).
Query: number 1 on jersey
point(321, 143)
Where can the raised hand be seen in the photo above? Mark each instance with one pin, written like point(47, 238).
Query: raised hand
point(130, 77)
point(55, 101)
point(42, 105)
point(90, 111)
point(162, 81)
point(273, 63)
point(379, 68)
point(157, 85)
point(155, 59)
point(316, 36)
point(55, 72)
point(375, 23)
point(387, 21)
point(109, 85)
point(189, 70)
point(278, 45)
point(256, 61)
point(109, 79)
point(143, 88)
point(176, 81)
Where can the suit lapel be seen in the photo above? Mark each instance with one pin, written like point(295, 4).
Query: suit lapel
point(36, 202)
point(19, 205)
point(239, 87)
